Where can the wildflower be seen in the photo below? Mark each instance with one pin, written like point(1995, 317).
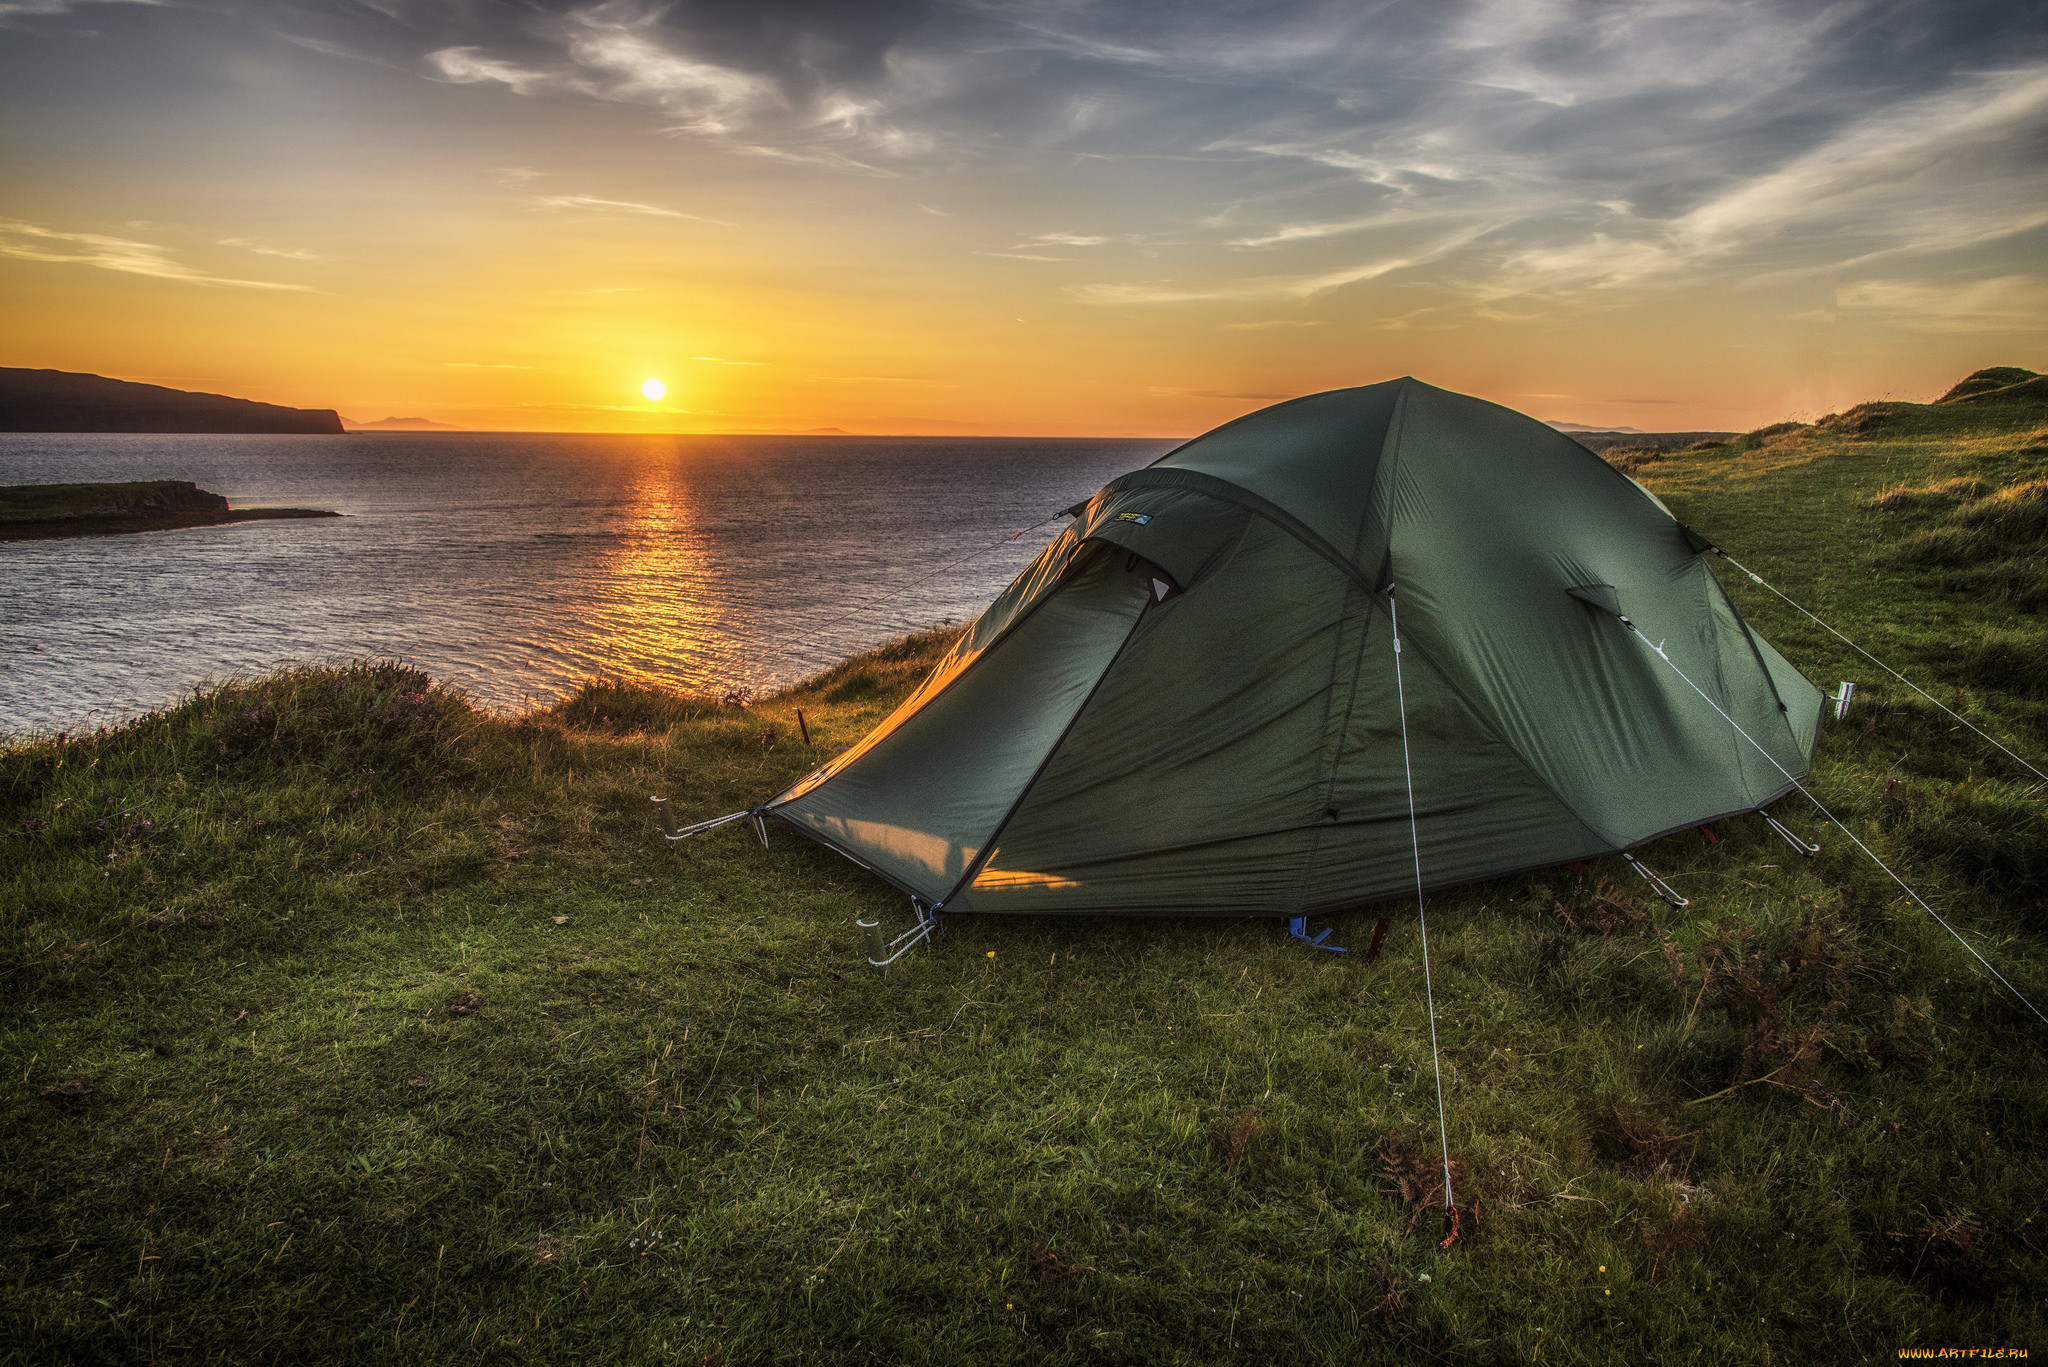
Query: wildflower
point(991, 954)
point(1603, 1267)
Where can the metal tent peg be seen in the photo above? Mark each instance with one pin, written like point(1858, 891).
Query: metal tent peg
point(1792, 838)
point(882, 953)
point(1657, 885)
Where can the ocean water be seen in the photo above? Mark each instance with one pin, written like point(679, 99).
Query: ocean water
point(516, 565)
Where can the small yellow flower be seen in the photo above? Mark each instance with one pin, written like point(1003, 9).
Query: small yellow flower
point(1008, 1306)
point(1603, 1267)
point(1608, 1293)
point(991, 954)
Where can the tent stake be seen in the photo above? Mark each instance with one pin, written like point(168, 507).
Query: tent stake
point(1298, 928)
point(1379, 937)
point(1658, 885)
point(879, 953)
point(1791, 838)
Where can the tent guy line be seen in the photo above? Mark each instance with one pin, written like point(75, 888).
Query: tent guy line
point(1759, 579)
point(1918, 900)
point(1421, 918)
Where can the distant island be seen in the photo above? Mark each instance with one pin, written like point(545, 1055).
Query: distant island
point(400, 425)
point(67, 401)
point(1597, 440)
point(40, 512)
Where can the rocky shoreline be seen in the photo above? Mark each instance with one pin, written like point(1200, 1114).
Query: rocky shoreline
point(41, 512)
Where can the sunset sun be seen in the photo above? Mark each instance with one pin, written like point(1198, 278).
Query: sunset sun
point(654, 389)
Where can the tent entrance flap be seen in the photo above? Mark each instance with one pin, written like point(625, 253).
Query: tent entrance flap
point(921, 805)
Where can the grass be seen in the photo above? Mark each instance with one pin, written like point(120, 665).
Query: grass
point(344, 1022)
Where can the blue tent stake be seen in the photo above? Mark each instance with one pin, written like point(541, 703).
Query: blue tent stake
point(1298, 928)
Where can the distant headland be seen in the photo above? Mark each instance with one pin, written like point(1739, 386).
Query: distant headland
point(399, 425)
point(41, 512)
point(67, 401)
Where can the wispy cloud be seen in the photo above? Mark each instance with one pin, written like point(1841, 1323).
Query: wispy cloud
point(264, 249)
point(29, 242)
point(28, 9)
point(1277, 286)
point(2016, 303)
point(1504, 157)
point(592, 205)
point(472, 66)
point(1166, 393)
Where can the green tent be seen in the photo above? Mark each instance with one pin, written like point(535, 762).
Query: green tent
point(1188, 703)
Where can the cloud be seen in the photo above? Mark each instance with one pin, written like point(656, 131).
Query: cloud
point(35, 9)
point(2009, 303)
point(1210, 394)
point(260, 249)
point(591, 204)
point(720, 360)
point(28, 242)
point(1278, 286)
point(470, 66)
point(1541, 149)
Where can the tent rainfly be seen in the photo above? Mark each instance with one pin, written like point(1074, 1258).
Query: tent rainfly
point(1188, 704)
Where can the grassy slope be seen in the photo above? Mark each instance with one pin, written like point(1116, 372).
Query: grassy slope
point(685, 1125)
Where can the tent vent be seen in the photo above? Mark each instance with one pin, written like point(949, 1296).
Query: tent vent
point(1601, 596)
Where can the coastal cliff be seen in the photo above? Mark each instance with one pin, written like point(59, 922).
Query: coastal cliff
point(67, 401)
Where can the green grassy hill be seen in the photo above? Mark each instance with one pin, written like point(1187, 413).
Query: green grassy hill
point(343, 1022)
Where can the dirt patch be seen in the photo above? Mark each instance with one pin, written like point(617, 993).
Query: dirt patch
point(1049, 1267)
point(464, 1004)
point(1599, 909)
point(1944, 1253)
point(1417, 1176)
point(1637, 1144)
point(1233, 1141)
point(1390, 1299)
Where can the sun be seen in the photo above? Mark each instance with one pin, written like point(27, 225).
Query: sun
point(654, 389)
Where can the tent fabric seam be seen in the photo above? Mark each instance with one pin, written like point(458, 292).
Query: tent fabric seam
point(993, 642)
point(988, 846)
point(1201, 481)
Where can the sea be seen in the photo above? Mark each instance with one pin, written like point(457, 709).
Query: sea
point(515, 566)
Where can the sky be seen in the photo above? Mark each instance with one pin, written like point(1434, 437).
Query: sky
point(1034, 217)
